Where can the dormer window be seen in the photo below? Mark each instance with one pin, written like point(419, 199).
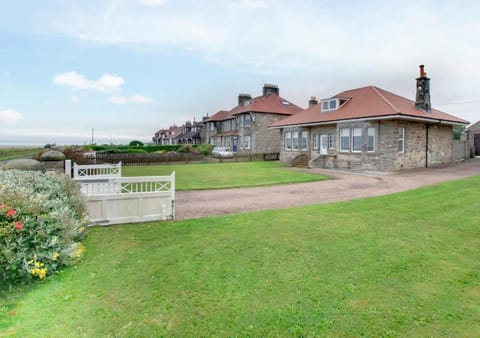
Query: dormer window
point(329, 105)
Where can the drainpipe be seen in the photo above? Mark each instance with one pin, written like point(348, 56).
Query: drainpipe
point(426, 145)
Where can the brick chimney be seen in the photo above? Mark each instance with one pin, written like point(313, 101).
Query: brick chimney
point(243, 98)
point(270, 88)
point(422, 100)
point(312, 102)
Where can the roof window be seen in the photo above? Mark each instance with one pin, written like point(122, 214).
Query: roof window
point(285, 103)
point(333, 104)
point(329, 105)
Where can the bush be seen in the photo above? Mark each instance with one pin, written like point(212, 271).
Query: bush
point(135, 143)
point(204, 149)
point(42, 221)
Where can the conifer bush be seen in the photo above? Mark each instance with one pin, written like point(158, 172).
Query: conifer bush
point(42, 222)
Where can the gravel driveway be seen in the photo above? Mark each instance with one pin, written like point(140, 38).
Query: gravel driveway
point(343, 186)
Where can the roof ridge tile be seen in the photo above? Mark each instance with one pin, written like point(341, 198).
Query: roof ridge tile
point(376, 90)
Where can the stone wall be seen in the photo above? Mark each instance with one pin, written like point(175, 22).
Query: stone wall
point(263, 139)
point(440, 142)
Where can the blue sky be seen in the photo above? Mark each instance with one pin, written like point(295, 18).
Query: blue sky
point(130, 67)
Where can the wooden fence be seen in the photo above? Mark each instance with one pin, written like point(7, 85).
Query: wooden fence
point(149, 158)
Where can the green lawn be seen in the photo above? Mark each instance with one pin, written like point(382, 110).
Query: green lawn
point(224, 175)
point(401, 265)
point(18, 152)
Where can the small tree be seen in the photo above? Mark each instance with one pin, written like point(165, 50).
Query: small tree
point(457, 132)
point(135, 143)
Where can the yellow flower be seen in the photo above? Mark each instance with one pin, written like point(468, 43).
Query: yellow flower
point(30, 262)
point(80, 250)
point(42, 273)
point(81, 229)
point(55, 255)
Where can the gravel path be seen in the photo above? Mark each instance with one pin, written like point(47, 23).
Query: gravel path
point(344, 186)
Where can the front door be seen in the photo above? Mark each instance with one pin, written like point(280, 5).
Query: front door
point(323, 144)
point(234, 144)
point(476, 143)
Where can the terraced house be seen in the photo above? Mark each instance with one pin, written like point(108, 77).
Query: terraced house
point(370, 128)
point(244, 128)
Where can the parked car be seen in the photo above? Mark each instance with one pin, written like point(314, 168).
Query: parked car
point(222, 152)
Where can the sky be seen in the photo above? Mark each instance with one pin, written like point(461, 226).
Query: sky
point(119, 70)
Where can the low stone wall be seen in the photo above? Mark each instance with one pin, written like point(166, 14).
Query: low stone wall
point(460, 150)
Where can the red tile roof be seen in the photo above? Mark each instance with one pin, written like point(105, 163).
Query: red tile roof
point(272, 104)
point(367, 102)
point(221, 115)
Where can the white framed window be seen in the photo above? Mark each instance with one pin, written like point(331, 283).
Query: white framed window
point(331, 141)
point(401, 140)
point(356, 139)
point(315, 141)
point(370, 139)
point(304, 140)
point(295, 140)
point(329, 105)
point(248, 120)
point(211, 126)
point(288, 140)
point(345, 139)
point(247, 142)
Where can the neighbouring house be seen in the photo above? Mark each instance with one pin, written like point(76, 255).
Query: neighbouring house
point(166, 136)
point(473, 139)
point(190, 133)
point(370, 129)
point(244, 128)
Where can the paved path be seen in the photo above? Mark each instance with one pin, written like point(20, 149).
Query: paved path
point(344, 186)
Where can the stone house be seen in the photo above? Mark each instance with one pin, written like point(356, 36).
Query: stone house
point(190, 133)
point(166, 136)
point(370, 129)
point(245, 128)
point(473, 138)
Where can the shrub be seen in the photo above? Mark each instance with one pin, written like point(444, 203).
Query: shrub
point(204, 149)
point(42, 221)
point(135, 143)
point(185, 148)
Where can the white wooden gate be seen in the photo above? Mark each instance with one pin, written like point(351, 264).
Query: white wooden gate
point(112, 199)
point(97, 170)
point(119, 200)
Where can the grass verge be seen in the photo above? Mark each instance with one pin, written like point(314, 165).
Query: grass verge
point(224, 175)
point(18, 152)
point(400, 265)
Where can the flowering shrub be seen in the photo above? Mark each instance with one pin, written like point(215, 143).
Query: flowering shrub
point(42, 221)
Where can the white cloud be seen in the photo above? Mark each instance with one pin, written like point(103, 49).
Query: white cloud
point(75, 99)
point(152, 3)
point(10, 116)
point(140, 98)
point(117, 99)
point(135, 98)
point(106, 83)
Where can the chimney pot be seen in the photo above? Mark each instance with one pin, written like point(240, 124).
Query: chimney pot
point(422, 71)
point(312, 102)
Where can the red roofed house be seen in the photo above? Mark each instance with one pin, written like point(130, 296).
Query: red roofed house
point(370, 129)
point(244, 128)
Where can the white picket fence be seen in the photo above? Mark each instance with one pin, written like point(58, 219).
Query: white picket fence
point(97, 170)
point(115, 200)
